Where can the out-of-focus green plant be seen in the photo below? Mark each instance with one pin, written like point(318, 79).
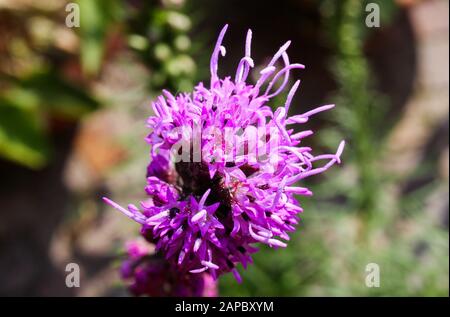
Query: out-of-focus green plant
point(361, 111)
point(26, 107)
point(97, 20)
point(42, 56)
point(22, 137)
point(159, 33)
point(34, 90)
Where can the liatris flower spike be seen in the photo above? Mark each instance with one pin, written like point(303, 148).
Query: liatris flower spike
point(153, 276)
point(224, 168)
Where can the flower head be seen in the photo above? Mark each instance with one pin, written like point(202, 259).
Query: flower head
point(153, 276)
point(225, 166)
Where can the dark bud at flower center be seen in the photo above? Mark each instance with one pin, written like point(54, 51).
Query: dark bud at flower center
point(173, 212)
point(249, 170)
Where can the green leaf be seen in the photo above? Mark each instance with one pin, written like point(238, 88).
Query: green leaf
point(95, 19)
point(22, 138)
point(58, 96)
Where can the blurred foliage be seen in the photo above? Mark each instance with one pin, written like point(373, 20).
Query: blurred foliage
point(27, 104)
point(48, 71)
point(158, 33)
point(22, 137)
point(35, 89)
point(361, 115)
point(97, 18)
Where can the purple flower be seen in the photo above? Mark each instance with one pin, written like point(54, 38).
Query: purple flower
point(225, 168)
point(153, 276)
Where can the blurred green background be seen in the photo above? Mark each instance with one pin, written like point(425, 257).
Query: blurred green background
point(73, 104)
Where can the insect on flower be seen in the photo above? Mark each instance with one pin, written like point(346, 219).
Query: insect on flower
point(224, 168)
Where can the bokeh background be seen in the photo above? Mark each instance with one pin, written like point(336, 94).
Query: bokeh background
point(73, 104)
